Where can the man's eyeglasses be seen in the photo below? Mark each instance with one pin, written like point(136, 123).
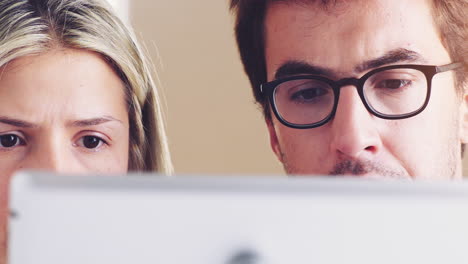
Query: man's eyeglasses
point(391, 92)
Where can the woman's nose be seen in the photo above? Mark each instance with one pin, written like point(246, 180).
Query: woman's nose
point(52, 154)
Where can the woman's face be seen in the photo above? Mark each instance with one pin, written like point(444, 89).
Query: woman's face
point(62, 111)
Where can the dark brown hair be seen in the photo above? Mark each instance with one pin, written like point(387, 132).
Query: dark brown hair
point(450, 17)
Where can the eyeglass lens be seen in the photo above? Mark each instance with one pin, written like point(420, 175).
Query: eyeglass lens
point(392, 92)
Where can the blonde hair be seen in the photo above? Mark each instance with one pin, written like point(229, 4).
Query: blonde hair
point(29, 27)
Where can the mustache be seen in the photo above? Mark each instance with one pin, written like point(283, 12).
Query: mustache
point(361, 167)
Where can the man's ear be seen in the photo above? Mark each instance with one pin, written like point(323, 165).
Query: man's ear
point(274, 139)
point(464, 116)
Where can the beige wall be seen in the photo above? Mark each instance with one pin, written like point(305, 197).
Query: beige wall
point(213, 125)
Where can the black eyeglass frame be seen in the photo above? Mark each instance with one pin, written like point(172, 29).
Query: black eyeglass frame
point(268, 89)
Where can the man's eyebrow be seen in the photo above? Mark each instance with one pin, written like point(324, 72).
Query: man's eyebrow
point(394, 56)
point(294, 67)
point(92, 121)
point(16, 122)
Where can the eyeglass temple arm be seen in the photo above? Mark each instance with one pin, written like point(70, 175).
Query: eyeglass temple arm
point(448, 67)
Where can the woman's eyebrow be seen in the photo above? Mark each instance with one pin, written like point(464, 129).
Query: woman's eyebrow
point(16, 122)
point(77, 123)
point(93, 121)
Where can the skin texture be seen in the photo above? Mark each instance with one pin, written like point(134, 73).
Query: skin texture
point(355, 142)
point(52, 102)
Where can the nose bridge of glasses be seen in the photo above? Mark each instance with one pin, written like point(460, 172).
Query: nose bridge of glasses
point(353, 82)
point(348, 81)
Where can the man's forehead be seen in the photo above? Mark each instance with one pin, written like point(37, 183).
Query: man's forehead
point(344, 41)
point(329, 4)
point(337, 8)
point(324, 5)
point(309, 2)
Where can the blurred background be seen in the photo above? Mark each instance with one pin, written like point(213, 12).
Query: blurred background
point(212, 121)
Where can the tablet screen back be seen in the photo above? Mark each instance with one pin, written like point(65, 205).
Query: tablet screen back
point(237, 220)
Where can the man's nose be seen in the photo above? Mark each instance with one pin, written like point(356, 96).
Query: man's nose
point(354, 130)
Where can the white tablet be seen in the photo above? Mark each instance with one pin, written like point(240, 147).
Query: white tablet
point(237, 220)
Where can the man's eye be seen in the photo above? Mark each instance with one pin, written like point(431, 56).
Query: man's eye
point(308, 94)
point(393, 83)
point(91, 142)
point(10, 141)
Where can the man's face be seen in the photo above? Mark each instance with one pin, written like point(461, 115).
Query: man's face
point(339, 39)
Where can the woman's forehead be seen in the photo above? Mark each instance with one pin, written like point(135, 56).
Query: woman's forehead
point(65, 85)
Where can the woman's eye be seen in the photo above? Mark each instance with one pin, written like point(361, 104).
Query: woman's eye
point(10, 141)
point(91, 142)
